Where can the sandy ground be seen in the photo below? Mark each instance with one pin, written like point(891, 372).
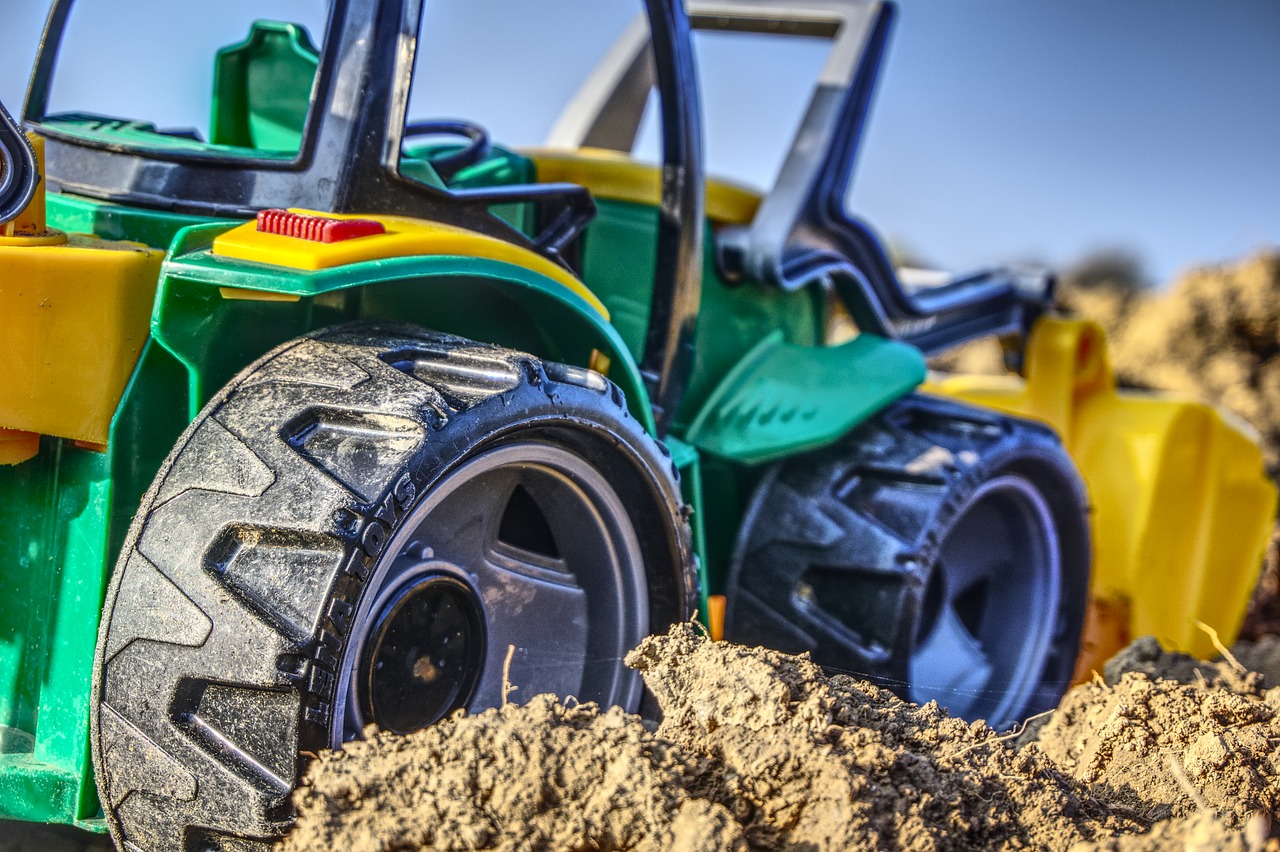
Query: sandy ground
point(760, 750)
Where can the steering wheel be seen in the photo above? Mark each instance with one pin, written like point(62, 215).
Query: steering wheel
point(448, 165)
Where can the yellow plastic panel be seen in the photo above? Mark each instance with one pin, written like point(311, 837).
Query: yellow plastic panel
point(404, 238)
point(73, 318)
point(237, 294)
point(1182, 509)
point(613, 175)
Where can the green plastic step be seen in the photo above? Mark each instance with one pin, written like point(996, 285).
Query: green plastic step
point(782, 399)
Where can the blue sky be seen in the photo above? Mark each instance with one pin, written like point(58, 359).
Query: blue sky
point(1004, 129)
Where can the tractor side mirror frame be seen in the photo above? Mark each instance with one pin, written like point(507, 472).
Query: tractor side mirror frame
point(656, 52)
point(19, 175)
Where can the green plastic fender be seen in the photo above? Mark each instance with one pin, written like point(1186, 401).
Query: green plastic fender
point(64, 513)
point(217, 314)
point(781, 398)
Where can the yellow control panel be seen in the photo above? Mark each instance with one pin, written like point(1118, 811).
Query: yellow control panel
point(401, 237)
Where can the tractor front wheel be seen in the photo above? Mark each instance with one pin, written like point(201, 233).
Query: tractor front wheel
point(371, 526)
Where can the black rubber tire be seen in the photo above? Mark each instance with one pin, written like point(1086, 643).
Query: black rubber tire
point(236, 602)
point(840, 555)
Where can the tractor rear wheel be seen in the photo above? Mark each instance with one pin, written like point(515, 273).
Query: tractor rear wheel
point(371, 526)
point(939, 549)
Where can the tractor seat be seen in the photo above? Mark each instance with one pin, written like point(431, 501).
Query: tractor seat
point(262, 88)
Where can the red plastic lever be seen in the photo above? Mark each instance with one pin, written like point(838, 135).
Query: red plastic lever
point(317, 229)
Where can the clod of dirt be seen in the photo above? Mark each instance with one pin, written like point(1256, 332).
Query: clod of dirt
point(1164, 736)
point(541, 776)
point(1146, 655)
point(1200, 833)
point(810, 762)
point(755, 748)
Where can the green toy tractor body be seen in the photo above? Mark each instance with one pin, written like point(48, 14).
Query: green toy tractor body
point(462, 416)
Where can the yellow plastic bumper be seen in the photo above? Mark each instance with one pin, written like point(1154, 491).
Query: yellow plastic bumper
point(1182, 508)
point(74, 314)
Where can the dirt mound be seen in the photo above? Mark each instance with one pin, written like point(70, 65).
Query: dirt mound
point(541, 776)
point(810, 762)
point(1164, 736)
point(1146, 656)
point(756, 750)
point(1262, 655)
point(1216, 334)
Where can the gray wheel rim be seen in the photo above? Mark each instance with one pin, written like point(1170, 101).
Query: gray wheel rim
point(568, 596)
point(990, 611)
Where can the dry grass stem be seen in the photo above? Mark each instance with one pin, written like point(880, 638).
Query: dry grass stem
point(1221, 649)
point(507, 688)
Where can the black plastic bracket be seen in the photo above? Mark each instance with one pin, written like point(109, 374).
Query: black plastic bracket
point(19, 175)
point(667, 361)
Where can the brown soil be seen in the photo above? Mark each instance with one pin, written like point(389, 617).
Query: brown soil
point(1202, 832)
point(760, 750)
point(1165, 736)
point(1261, 655)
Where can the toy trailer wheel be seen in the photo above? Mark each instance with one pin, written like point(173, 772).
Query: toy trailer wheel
point(939, 549)
point(359, 529)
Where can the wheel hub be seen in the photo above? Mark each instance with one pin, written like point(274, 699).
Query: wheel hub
point(988, 614)
point(424, 656)
point(520, 568)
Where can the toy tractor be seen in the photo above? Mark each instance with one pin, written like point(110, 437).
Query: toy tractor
point(317, 423)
